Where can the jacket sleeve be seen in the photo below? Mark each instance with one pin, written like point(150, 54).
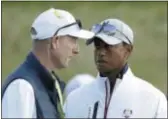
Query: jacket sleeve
point(162, 107)
point(18, 100)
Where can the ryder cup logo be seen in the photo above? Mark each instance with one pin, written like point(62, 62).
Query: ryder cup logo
point(127, 113)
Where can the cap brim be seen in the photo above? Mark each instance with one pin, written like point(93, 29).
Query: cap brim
point(83, 34)
point(110, 40)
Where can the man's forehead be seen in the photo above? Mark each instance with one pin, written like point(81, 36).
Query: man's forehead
point(98, 42)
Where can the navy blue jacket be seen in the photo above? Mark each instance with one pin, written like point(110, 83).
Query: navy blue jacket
point(46, 96)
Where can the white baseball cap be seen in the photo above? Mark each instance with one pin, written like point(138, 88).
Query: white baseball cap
point(55, 20)
point(112, 32)
point(78, 81)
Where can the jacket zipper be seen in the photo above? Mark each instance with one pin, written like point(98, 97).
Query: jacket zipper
point(107, 102)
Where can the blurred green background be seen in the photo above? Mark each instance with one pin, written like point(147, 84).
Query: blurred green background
point(147, 19)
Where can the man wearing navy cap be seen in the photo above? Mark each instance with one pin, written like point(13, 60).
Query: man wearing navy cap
point(117, 92)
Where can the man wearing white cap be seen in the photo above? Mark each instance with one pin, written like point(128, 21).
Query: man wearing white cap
point(117, 92)
point(29, 92)
point(78, 81)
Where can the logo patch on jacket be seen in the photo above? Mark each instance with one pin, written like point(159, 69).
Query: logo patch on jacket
point(127, 113)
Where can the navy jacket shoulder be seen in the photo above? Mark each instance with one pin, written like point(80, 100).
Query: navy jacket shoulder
point(42, 82)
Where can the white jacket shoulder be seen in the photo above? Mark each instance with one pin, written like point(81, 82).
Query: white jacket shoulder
point(152, 93)
point(18, 100)
point(147, 88)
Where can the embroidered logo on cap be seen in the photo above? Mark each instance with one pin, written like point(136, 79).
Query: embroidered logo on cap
point(57, 14)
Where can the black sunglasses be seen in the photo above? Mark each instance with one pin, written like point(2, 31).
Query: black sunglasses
point(78, 22)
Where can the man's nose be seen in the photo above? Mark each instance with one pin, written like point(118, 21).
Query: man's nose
point(102, 52)
point(76, 49)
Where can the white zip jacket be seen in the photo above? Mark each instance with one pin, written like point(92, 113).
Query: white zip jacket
point(132, 97)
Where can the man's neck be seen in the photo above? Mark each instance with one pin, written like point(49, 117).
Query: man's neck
point(117, 73)
point(42, 59)
point(112, 78)
point(113, 75)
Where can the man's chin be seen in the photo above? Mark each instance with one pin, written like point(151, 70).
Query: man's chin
point(106, 73)
point(62, 65)
point(65, 65)
point(103, 73)
point(102, 69)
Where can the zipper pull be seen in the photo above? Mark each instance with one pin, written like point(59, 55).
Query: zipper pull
point(95, 110)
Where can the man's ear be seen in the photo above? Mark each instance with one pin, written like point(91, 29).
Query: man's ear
point(55, 42)
point(128, 50)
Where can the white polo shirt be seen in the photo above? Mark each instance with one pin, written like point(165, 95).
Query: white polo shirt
point(132, 98)
point(18, 100)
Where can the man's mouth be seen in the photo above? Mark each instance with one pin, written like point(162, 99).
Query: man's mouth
point(101, 61)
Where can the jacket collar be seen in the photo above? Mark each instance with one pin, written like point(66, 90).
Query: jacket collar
point(102, 80)
point(44, 75)
point(121, 73)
